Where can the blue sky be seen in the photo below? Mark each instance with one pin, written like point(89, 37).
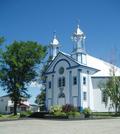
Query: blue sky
point(36, 20)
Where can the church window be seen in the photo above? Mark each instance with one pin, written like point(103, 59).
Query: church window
point(61, 70)
point(84, 96)
point(104, 96)
point(49, 84)
point(61, 82)
point(84, 80)
point(74, 80)
point(5, 108)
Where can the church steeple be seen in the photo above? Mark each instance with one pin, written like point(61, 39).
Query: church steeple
point(79, 52)
point(54, 46)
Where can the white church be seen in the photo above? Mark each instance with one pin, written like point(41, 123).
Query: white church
point(74, 78)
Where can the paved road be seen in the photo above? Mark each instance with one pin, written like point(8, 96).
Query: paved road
point(34, 126)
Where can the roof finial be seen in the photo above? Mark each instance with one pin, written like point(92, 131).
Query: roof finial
point(78, 31)
point(54, 34)
point(54, 40)
point(78, 23)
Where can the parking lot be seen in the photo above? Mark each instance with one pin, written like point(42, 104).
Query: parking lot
point(39, 126)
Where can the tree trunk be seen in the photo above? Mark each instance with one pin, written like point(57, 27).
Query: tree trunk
point(15, 108)
point(116, 107)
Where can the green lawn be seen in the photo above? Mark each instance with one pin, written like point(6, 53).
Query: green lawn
point(7, 117)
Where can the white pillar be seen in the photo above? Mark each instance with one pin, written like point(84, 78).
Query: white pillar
point(52, 89)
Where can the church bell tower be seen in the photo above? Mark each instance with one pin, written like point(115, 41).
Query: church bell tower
point(54, 47)
point(79, 52)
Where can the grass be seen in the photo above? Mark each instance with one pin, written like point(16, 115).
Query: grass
point(9, 116)
point(12, 116)
point(104, 114)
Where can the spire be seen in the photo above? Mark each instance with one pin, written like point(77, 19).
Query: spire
point(78, 32)
point(54, 40)
point(78, 38)
point(54, 46)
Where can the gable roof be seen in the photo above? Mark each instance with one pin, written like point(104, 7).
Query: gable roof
point(73, 60)
point(66, 55)
point(103, 66)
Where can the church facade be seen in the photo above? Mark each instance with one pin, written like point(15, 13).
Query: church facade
point(74, 78)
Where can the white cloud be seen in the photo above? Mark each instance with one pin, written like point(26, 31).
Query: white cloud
point(35, 85)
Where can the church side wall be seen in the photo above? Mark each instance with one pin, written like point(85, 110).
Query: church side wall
point(99, 105)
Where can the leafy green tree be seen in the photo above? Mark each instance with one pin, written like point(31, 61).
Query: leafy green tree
point(40, 100)
point(20, 60)
point(1, 42)
point(2, 39)
point(111, 90)
point(44, 68)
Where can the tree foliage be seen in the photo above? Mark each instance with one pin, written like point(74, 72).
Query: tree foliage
point(19, 68)
point(2, 39)
point(1, 42)
point(44, 68)
point(111, 90)
point(40, 100)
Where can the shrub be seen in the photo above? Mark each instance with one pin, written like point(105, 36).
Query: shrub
point(60, 114)
point(55, 109)
point(68, 108)
point(71, 113)
point(29, 112)
point(76, 114)
point(64, 111)
point(25, 114)
point(87, 112)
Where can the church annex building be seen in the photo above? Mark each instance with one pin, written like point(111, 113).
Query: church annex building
point(74, 78)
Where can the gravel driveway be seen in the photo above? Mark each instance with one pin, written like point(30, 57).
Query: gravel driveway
point(36, 126)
